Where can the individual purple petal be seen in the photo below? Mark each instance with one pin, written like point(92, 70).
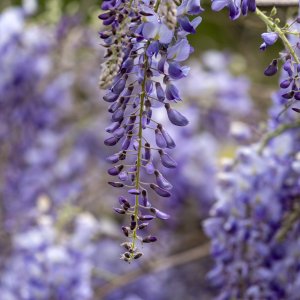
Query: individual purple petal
point(146, 217)
point(119, 133)
point(270, 37)
point(161, 181)
point(170, 142)
point(126, 142)
point(111, 141)
point(113, 158)
point(161, 65)
point(159, 214)
point(186, 25)
point(190, 7)
point(286, 83)
point(120, 211)
point(123, 176)
point(110, 97)
point(147, 155)
point(134, 191)
point(176, 71)
point(160, 140)
point(114, 171)
point(153, 49)
point(116, 184)
point(118, 88)
point(166, 160)
point(180, 51)
point(165, 34)
point(149, 168)
point(175, 116)
point(111, 128)
point(149, 239)
point(145, 198)
point(118, 115)
point(160, 93)
point(297, 96)
point(172, 92)
point(159, 191)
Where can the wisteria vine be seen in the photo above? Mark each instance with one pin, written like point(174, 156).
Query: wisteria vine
point(146, 43)
point(146, 47)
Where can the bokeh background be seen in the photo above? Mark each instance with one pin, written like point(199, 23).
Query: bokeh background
point(59, 237)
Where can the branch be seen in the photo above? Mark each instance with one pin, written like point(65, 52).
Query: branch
point(153, 267)
point(277, 2)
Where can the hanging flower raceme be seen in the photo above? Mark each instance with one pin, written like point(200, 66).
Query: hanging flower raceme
point(144, 56)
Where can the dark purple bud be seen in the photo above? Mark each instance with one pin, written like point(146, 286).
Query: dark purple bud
point(149, 239)
point(145, 198)
point(297, 96)
point(119, 211)
point(159, 191)
point(134, 191)
point(125, 231)
point(296, 109)
point(146, 218)
point(288, 95)
point(109, 21)
point(111, 141)
point(143, 225)
point(132, 225)
point(286, 83)
point(162, 181)
point(123, 201)
point(175, 116)
point(166, 160)
point(160, 93)
point(114, 171)
point(147, 151)
point(159, 214)
point(116, 184)
point(138, 255)
point(272, 68)
point(122, 155)
point(110, 97)
point(161, 65)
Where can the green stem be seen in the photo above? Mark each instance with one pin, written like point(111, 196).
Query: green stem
point(278, 30)
point(281, 129)
point(157, 5)
point(139, 152)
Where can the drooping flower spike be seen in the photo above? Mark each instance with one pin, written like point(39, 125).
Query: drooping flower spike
point(146, 44)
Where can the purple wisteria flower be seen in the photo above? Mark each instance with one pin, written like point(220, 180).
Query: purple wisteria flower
point(236, 7)
point(143, 63)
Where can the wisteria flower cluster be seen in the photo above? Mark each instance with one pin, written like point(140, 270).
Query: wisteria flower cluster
point(145, 50)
